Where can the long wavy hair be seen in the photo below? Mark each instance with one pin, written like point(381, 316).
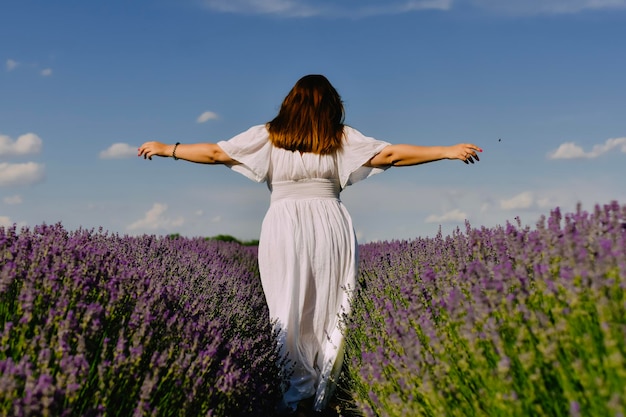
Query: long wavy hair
point(310, 118)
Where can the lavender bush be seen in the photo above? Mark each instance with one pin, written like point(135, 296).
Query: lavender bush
point(93, 324)
point(507, 321)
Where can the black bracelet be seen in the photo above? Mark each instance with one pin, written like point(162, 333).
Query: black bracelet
point(174, 151)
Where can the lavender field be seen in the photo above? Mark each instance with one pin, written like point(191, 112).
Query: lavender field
point(504, 321)
point(507, 321)
point(102, 325)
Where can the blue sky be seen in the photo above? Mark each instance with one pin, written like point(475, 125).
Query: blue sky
point(538, 84)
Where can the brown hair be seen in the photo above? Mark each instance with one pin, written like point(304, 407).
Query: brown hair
point(310, 118)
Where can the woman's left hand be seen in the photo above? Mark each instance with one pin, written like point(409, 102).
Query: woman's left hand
point(150, 149)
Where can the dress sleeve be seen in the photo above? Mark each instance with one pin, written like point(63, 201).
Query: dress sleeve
point(252, 150)
point(357, 149)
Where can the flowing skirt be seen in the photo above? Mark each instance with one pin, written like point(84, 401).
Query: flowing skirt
point(307, 262)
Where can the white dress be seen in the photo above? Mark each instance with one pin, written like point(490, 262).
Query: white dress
point(307, 250)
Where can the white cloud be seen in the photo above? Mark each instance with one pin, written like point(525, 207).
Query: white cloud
point(393, 7)
point(20, 174)
point(365, 8)
point(531, 7)
point(118, 151)
point(26, 144)
point(11, 64)
point(570, 150)
point(453, 216)
point(216, 219)
point(521, 201)
point(12, 200)
point(156, 219)
point(546, 203)
point(291, 8)
point(5, 221)
point(206, 116)
point(311, 8)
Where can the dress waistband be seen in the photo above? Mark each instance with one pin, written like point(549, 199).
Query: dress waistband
point(301, 190)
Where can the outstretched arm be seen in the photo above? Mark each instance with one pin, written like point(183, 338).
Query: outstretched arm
point(406, 155)
point(202, 153)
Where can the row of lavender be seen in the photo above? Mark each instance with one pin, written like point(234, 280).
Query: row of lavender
point(507, 321)
point(94, 324)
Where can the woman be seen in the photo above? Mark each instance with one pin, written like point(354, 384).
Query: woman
point(307, 248)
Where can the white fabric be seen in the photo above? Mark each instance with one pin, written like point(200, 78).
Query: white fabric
point(307, 250)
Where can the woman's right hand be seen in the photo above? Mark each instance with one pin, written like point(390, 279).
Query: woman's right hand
point(466, 152)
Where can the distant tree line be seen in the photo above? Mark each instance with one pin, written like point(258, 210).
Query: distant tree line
point(224, 238)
